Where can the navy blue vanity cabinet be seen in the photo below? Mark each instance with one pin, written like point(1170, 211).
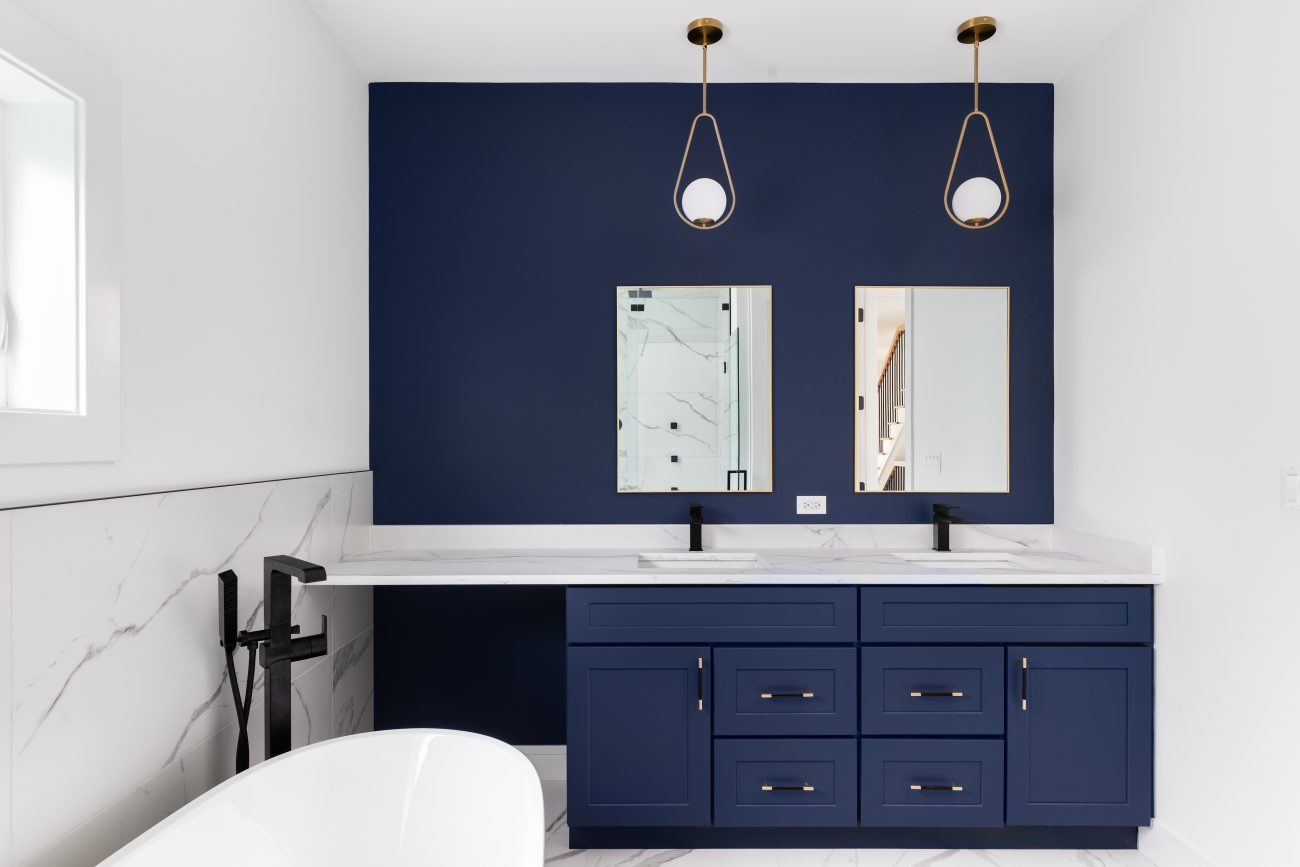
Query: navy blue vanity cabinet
point(1079, 736)
point(639, 736)
point(851, 717)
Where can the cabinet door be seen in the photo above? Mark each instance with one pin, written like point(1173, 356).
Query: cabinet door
point(1079, 742)
point(639, 736)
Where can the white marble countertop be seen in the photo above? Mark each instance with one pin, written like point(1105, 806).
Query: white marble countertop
point(555, 566)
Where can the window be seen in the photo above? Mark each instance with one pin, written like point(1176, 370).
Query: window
point(40, 303)
point(60, 214)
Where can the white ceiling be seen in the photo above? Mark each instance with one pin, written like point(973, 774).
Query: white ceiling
point(766, 40)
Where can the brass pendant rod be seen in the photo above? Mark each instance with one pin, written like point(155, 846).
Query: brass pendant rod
point(977, 71)
point(704, 81)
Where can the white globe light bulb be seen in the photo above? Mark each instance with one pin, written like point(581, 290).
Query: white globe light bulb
point(976, 201)
point(704, 201)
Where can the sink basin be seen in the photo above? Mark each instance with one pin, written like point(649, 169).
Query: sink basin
point(711, 560)
point(960, 559)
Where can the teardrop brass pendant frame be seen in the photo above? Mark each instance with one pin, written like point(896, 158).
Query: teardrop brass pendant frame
point(973, 32)
point(704, 32)
point(731, 187)
point(1002, 176)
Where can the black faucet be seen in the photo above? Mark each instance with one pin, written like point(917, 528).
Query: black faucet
point(273, 645)
point(697, 526)
point(943, 519)
point(280, 649)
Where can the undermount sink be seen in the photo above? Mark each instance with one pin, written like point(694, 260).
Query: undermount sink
point(712, 560)
point(960, 559)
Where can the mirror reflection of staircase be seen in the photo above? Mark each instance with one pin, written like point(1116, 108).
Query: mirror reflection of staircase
point(891, 396)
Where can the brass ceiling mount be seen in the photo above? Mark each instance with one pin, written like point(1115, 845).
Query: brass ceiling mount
point(704, 31)
point(982, 28)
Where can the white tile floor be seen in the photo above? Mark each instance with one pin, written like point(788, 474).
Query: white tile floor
point(559, 853)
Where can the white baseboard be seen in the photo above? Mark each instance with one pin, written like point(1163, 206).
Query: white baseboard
point(1167, 849)
point(551, 761)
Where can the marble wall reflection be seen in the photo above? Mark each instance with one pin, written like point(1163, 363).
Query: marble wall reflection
point(694, 388)
point(121, 712)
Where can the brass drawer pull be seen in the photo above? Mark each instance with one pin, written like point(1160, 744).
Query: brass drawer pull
point(916, 788)
point(767, 787)
point(931, 694)
point(785, 695)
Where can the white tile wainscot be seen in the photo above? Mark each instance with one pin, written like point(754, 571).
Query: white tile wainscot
point(121, 712)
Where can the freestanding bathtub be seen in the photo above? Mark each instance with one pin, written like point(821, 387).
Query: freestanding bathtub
point(427, 797)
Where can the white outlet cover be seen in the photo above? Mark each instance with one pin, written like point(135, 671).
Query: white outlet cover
point(1291, 487)
point(808, 505)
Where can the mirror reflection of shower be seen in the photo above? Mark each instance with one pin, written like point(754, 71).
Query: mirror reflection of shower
point(694, 388)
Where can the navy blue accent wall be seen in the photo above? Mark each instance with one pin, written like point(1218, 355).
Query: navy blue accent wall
point(479, 659)
point(503, 217)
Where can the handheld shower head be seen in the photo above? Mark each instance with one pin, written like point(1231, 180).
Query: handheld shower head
point(228, 609)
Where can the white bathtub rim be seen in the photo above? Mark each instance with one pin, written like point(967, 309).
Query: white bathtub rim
point(128, 850)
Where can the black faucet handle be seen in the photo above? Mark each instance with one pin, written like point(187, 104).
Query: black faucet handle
point(697, 512)
point(312, 646)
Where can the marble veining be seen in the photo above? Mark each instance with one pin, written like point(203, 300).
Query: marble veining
point(789, 566)
point(120, 708)
point(558, 853)
point(791, 554)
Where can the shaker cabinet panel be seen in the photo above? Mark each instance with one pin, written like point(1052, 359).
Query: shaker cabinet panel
point(1006, 615)
point(712, 615)
point(786, 782)
point(1079, 736)
point(932, 690)
point(786, 691)
point(931, 783)
point(639, 736)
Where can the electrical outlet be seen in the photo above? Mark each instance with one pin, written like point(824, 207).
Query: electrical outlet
point(810, 505)
point(1291, 487)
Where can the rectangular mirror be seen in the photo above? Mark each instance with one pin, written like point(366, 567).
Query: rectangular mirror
point(933, 389)
point(694, 388)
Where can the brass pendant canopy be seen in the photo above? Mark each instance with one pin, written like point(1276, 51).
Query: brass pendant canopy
point(705, 32)
point(973, 32)
point(977, 29)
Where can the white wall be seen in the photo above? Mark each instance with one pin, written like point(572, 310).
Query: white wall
point(244, 261)
point(1177, 317)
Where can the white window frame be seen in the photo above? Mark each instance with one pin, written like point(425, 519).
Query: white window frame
point(93, 433)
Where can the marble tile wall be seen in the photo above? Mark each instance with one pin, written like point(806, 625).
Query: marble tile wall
point(670, 372)
point(120, 708)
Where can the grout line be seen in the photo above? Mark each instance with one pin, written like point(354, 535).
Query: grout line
point(153, 493)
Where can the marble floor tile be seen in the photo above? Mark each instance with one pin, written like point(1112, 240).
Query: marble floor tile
point(559, 853)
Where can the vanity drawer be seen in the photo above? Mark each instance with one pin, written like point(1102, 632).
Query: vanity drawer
point(794, 783)
point(785, 691)
point(707, 615)
point(933, 690)
point(996, 615)
point(932, 783)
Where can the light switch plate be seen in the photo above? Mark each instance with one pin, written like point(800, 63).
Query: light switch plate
point(1291, 487)
point(806, 505)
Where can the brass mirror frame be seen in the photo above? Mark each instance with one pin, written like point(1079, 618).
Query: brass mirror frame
point(861, 390)
point(771, 388)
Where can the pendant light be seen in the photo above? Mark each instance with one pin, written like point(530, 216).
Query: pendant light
point(979, 202)
point(705, 204)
